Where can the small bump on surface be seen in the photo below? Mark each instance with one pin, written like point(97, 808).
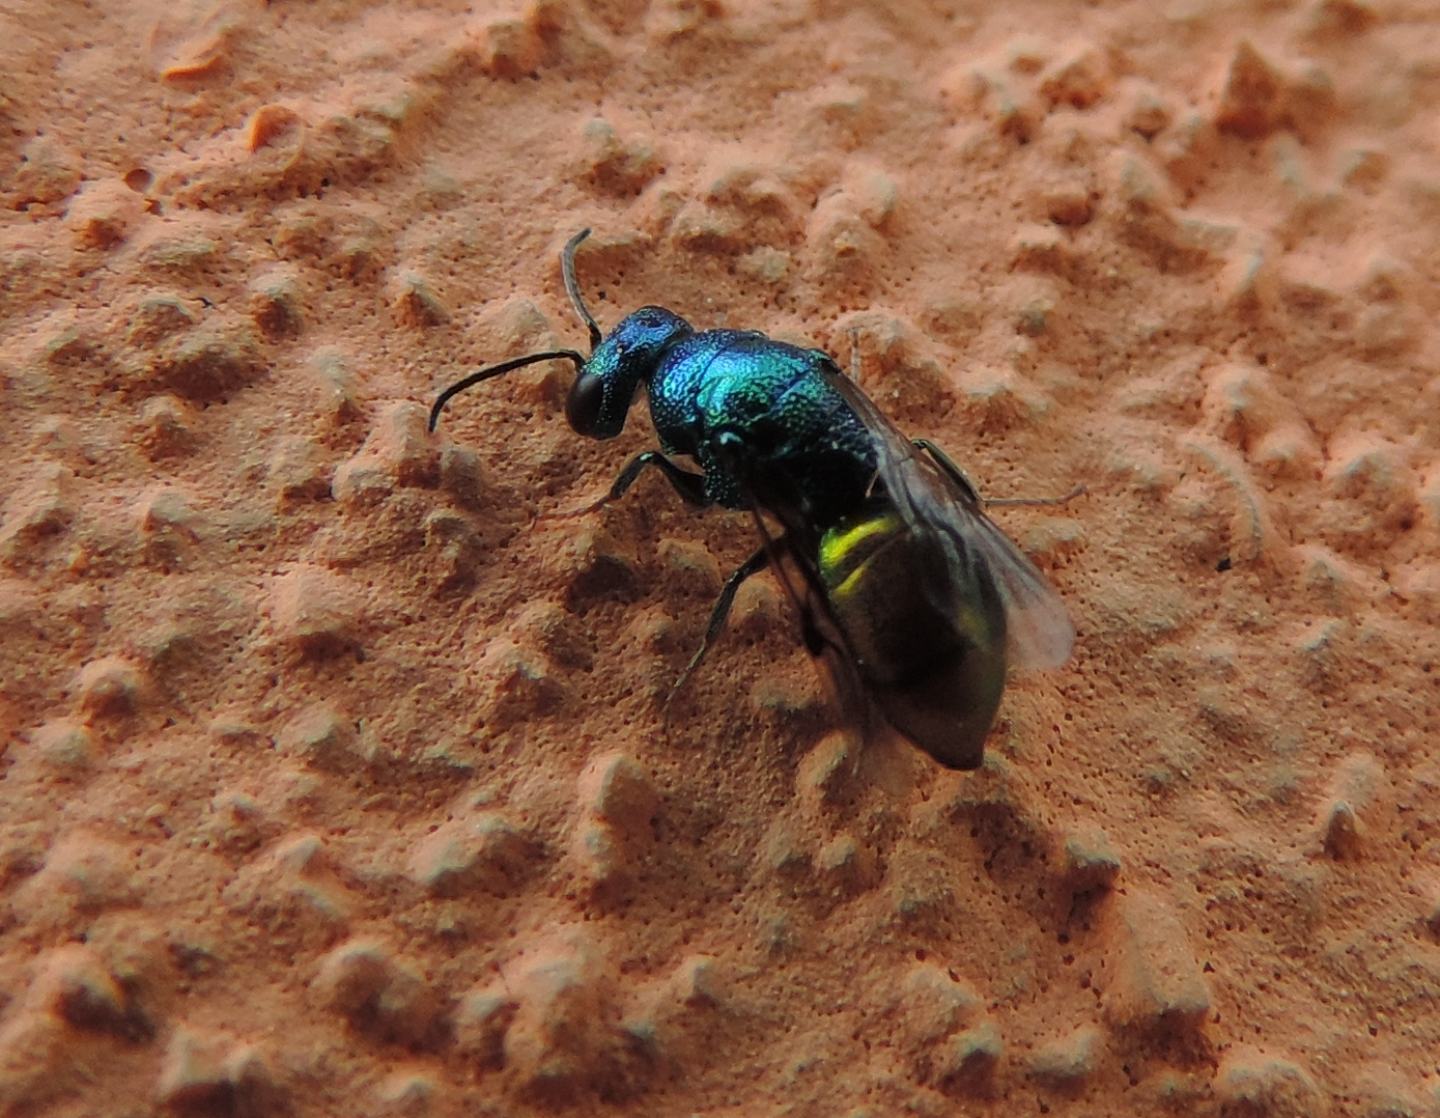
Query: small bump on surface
point(1251, 100)
point(275, 303)
point(293, 892)
point(1252, 1081)
point(825, 770)
point(102, 214)
point(479, 1023)
point(166, 428)
point(315, 611)
point(415, 302)
point(565, 1043)
point(968, 1062)
point(1088, 860)
point(321, 737)
point(397, 453)
point(209, 1073)
point(1353, 805)
point(109, 687)
point(380, 995)
point(482, 852)
point(512, 681)
point(73, 982)
point(65, 746)
point(1068, 1061)
point(1156, 982)
point(39, 508)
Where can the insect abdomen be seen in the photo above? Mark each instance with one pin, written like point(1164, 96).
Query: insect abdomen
point(928, 642)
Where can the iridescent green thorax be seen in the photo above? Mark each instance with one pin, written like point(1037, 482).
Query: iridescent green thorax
point(805, 449)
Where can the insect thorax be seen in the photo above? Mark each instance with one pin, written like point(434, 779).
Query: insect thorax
point(765, 424)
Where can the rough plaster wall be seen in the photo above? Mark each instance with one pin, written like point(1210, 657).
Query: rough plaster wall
point(334, 776)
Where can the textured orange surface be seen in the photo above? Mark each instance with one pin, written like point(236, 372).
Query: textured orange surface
point(334, 775)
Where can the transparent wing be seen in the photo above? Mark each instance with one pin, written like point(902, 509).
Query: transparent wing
point(823, 636)
point(1039, 633)
point(931, 499)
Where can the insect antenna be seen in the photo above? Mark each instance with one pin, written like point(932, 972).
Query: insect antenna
point(500, 370)
point(572, 288)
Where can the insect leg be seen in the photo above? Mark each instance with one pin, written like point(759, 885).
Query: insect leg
point(1065, 498)
point(957, 475)
point(946, 463)
point(755, 564)
point(690, 486)
point(730, 447)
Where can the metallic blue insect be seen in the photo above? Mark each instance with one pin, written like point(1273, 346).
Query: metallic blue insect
point(917, 601)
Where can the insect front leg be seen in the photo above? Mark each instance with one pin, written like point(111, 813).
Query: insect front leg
point(943, 460)
point(690, 485)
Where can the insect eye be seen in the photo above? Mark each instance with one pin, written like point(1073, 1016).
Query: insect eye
point(587, 397)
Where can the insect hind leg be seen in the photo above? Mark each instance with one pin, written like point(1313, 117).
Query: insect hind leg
point(956, 474)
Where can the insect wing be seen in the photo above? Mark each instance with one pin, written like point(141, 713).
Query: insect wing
point(824, 637)
point(1039, 633)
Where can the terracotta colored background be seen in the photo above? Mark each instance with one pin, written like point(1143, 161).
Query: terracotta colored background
point(334, 778)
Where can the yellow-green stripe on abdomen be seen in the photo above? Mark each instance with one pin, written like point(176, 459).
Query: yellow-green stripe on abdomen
point(928, 637)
